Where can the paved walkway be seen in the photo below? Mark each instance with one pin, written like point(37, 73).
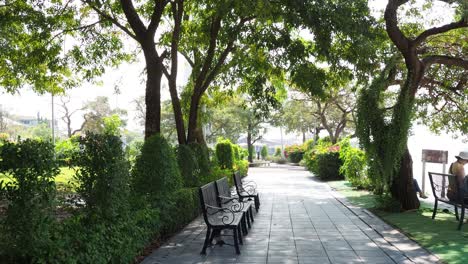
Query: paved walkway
point(300, 221)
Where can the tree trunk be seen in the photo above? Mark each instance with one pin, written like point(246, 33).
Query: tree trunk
point(249, 143)
point(402, 188)
point(153, 92)
point(176, 107)
point(303, 137)
point(193, 118)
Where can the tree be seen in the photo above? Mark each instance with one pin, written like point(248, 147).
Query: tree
point(32, 45)
point(264, 152)
point(96, 112)
point(425, 58)
point(67, 114)
point(297, 116)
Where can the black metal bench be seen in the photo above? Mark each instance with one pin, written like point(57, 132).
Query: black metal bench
point(439, 185)
point(246, 190)
point(236, 204)
point(218, 218)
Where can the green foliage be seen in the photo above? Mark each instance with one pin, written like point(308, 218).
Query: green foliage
point(156, 175)
point(278, 152)
point(112, 124)
point(383, 135)
point(236, 150)
point(279, 160)
point(65, 150)
point(242, 166)
point(188, 166)
point(354, 164)
point(27, 227)
point(103, 175)
point(224, 154)
point(202, 155)
point(186, 206)
point(264, 152)
point(294, 153)
point(324, 160)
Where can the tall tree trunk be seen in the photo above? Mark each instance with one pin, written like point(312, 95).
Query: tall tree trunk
point(402, 188)
point(303, 137)
point(176, 107)
point(193, 118)
point(154, 74)
point(249, 143)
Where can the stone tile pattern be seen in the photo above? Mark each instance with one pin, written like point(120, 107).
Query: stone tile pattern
point(300, 221)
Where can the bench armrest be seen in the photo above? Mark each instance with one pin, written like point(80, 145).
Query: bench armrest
point(227, 215)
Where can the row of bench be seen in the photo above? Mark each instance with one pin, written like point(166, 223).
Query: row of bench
point(223, 210)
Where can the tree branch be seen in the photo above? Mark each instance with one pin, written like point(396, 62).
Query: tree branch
point(438, 30)
point(156, 16)
point(445, 60)
point(133, 19)
point(391, 22)
point(110, 18)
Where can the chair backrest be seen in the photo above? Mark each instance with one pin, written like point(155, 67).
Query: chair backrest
point(441, 183)
point(222, 186)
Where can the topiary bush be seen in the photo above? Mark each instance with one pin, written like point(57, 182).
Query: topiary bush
point(156, 175)
point(103, 176)
point(278, 152)
point(225, 154)
point(188, 166)
point(27, 228)
point(202, 155)
point(264, 152)
point(328, 166)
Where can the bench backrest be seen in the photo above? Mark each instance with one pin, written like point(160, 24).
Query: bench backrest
point(237, 180)
point(208, 197)
point(222, 186)
point(440, 183)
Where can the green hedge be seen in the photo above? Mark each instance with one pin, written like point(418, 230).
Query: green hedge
point(188, 166)
point(225, 154)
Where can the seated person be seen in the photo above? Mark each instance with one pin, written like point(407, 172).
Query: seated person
point(418, 190)
point(457, 169)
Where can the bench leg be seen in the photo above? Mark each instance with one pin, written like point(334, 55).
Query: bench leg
point(462, 215)
point(456, 212)
point(249, 219)
point(243, 223)
point(251, 214)
point(239, 231)
point(257, 202)
point(435, 208)
point(236, 240)
point(207, 240)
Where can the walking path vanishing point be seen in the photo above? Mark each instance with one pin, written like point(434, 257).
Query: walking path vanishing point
point(301, 220)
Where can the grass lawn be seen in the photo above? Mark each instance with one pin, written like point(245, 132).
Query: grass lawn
point(439, 236)
point(63, 179)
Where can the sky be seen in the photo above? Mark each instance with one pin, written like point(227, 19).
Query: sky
point(129, 79)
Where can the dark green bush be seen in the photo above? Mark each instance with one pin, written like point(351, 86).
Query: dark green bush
point(188, 165)
point(103, 175)
point(278, 152)
point(264, 152)
point(186, 206)
point(328, 166)
point(26, 230)
point(354, 165)
point(224, 154)
point(201, 152)
point(295, 153)
point(156, 175)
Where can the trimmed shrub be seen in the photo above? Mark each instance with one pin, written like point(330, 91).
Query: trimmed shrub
point(279, 160)
point(294, 153)
point(354, 165)
point(224, 154)
point(329, 164)
point(202, 155)
point(186, 208)
point(264, 152)
point(188, 166)
point(236, 152)
point(103, 175)
point(26, 231)
point(278, 152)
point(242, 166)
point(156, 175)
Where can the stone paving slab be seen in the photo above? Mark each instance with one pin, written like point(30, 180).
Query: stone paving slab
point(301, 220)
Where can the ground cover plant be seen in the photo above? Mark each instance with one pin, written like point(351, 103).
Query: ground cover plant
point(439, 235)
